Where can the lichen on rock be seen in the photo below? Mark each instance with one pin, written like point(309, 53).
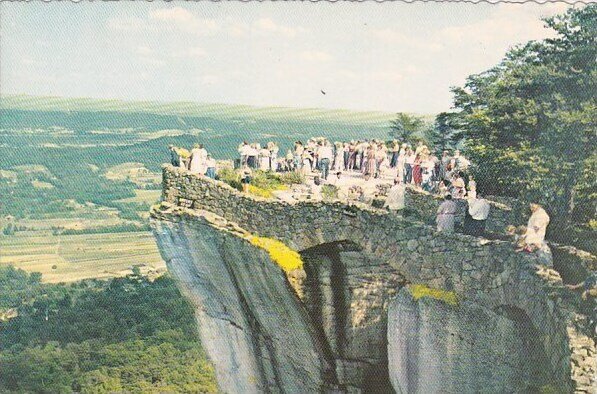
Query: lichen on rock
point(285, 257)
point(418, 291)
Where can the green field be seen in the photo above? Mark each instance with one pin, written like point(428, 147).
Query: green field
point(78, 176)
point(69, 258)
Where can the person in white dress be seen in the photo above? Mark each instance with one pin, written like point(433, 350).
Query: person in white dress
point(536, 227)
point(264, 156)
point(198, 160)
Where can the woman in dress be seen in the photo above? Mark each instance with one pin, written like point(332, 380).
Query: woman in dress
point(338, 157)
point(371, 165)
point(198, 160)
point(417, 171)
point(445, 215)
point(264, 156)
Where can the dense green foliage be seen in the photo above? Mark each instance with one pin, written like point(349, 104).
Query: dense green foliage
point(405, 126)
point(127, 334)
point(529, 122)
point(439, 134)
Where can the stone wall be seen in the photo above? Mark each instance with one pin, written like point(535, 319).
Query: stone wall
point(488, 273)
point(502, 214)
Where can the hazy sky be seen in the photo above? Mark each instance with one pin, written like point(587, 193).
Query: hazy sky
point(369, 56)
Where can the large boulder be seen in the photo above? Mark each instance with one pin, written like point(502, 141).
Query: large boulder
point(436, 344)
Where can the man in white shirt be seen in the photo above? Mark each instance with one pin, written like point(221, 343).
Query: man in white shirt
point(478, 211)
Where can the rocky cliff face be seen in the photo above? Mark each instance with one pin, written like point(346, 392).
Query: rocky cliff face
point(332, 325)
point(252, 325)
point(434, 347)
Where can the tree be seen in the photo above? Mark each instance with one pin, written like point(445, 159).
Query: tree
point(405, 126)
point(529, 122)
point(442, 134)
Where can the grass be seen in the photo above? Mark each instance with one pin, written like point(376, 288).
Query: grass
point(263, 184)
point(77, 257)
point(41, 185)
point(143, 196)
point(418, 291)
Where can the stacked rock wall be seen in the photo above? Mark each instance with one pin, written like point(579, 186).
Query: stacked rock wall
point(488, 273)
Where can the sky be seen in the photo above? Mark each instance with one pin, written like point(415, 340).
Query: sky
point(389, 57)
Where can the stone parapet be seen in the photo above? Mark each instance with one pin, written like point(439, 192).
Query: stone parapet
point(489, 273)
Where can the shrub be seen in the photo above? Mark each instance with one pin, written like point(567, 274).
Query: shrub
point(329, 192)
point(292, 178)
point(231, 177)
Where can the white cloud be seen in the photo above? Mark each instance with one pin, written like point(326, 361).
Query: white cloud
point(192, 52)
point(144, 51)
point(176, 14)
point(506, 26)
point(208, 79)
point(126, 24)
point(316, 56)
point(394, 37)
point(176, 17)
point(387, 76)
point(267, 25)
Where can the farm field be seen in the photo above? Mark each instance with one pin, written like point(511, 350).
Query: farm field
point(69, 258)
point(78, 176)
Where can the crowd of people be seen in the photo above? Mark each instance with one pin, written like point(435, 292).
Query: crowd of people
point(371, 158)
point(406, 165)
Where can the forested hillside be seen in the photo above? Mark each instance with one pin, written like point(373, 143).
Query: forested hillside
point(127, 334)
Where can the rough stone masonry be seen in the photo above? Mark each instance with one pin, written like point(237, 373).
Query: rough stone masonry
point(355, 315)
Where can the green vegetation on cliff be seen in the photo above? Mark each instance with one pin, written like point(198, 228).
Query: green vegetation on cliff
point(124, 335)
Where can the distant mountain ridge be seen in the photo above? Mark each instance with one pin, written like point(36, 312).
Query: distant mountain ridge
point(221, 111)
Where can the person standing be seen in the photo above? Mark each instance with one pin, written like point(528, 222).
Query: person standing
point(252, 153)
point(210, 163)
point(198, 159)
point(264, 163)
point(325, 155)
point(273, 157)
point(536, 227)
point(417, 170)
point(243, 150)
point(478, 211)
point(174, 156)
point(346, 150)
point(445, 215)
point(338, 157)
point(245, 178)
point(400, 162)
point(409, 160)
point(395, 153)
